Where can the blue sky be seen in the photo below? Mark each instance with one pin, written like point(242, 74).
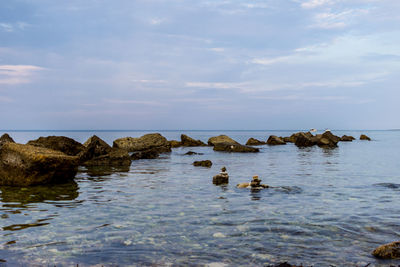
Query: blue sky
point(199, 64)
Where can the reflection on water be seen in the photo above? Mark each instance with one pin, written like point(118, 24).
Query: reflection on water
point(101, 171)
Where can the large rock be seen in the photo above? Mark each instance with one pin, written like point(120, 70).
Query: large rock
point(275, 140)
point(146, 154)
point(221, 139)
point(59, 143)
point(146, 142)
point(347, 138)
point(254, 142)
point(24, 165)
point(364, 137)
point(293, 137)
point(174, 143)
point(304, 140)
point(388, 251)
point(99, 153)
point(203, 163)
point(230, 147)
point(5, 138)
point(327, 140)
point(188, 141)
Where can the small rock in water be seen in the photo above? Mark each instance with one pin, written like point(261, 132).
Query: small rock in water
point(221, 178)
point(219, 235)
point(203, 163)
point(192, 153)
point(364, 137)
point(388, 251)
point(254, 184)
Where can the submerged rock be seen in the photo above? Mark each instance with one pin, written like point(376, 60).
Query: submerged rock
point(25, 165)
point(275, 140)
point(4, 139)
point(145, 142)
point(174, 143)
point(254, 142)
point(347, 138)
point(364, 137)
point(99, 153)
point(59, 143)
point(221, 178)
point(146, 154)
point(388, 251)
point(221, 139)
point(230, 147)
point(189, 153)
point(203, 163)
point(188, 141)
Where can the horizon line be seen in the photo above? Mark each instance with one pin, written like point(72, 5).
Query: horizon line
point(175, 130)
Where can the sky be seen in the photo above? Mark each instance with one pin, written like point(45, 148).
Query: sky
point(199, 64)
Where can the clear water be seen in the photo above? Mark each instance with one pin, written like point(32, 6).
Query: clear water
point(329, 207)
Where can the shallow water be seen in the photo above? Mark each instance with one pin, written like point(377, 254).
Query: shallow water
point(329, 207)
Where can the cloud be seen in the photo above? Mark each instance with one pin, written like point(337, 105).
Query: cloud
point(11, 27)
point(315, 3)
point(17, 74)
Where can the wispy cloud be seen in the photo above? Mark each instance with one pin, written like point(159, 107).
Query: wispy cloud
point(11, 27)
point(315, 3)
point(16, 74)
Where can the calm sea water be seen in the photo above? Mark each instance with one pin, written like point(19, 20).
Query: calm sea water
point(329, 207)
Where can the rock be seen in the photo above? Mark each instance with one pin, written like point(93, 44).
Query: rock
point(304, 140)
point(254, 184)
point(293, 137)
point(203, 163)
point(230, 147)
point(275, 140)
point(174, 143)
point(192, 153)
point(146, 154)
point(221, 139)
point(330, 136)
point(347, 138)
point(243, 185)
point(388, 251)
point(327, 140)
point(221, 178)
point(99, 153)
point(59, 143)
point(287, 140)
point(25, 165)
point(188, 141)
point(254, 142)
point(364, 137)
point(5, 138)
point(146, 142)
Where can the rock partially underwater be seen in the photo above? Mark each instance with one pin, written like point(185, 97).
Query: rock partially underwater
point(254, 142)
point(388, 251)
point(230, 147)
point(146, 142)
point(364, 137)
point(203, 163)
point(221, 178)
point(212, 141)
point(274, 140)
point(59, 143)
point(25, 165)
point(188, 141)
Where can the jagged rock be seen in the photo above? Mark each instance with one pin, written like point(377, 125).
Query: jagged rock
point(5, 138)
point(59, 143)
point(304, 140)
point(174, 143)
point(254, 142)
point(25, 165)
point(293, 137)
point(347, 138)
point(275, 140)
point(329, 135)
point(221, 178)
point(146, 154)
point(188, 141)
point(364, 137)
point(203, 163)
point(221, 139)
point(146, 142)
point(327, 140)
point(388, 251)
point(99, 153)
point(192, 153)
point(231, 147)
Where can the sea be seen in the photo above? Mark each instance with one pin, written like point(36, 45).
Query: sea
point(325, 207)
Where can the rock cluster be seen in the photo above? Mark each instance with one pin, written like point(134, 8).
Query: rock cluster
point(307, 139)
point(221, 178)
point(203, 163)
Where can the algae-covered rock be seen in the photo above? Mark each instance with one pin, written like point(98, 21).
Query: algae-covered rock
point(59, 143)
point(364, 137)
point(146, 154)
point(203, 163)
point(221, 178)
point(146, 142)
point(347, 138)
point(24, 165)
point(388, 251)
point(327, 140)
point(304, 140)
point(212, 141)
point(231, 147)
point(5, 138)
point(254, 142)
point(188, 141)
point(174, 143)
point(275, 140)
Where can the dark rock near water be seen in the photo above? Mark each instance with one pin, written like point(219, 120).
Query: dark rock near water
point(5, 138)
point(174, 143)
point(304, 140)
point(254, 142)
point(293, 137)
point(287, 139)
point(364, 137)
point(188, 141)
point(25, 165)
point(146, 142)
point(327, 140)
point(388, 251)
point(254, 184)
point(347, 138)
point(189, 153)
point(231, 147)
point(203, 163)
point(221, 178)
point(284, 264)
point(221, 139)
point(146, 154)
point(275, 140)
point(59, 143)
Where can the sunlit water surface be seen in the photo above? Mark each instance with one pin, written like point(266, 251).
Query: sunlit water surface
point(329, 207)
